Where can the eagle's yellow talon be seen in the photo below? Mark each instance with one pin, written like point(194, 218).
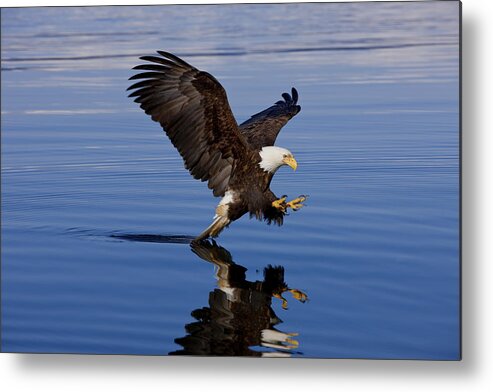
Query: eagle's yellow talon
point(297, 203)
point(280, 204)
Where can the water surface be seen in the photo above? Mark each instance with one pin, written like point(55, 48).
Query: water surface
point(98, 212)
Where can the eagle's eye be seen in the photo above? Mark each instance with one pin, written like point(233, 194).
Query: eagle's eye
point(285, 156)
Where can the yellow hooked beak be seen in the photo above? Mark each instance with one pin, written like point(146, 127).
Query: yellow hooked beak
point(291, 162)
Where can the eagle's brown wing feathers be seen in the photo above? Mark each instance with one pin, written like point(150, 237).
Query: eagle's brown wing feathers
point(262, 128)
point(193, 109)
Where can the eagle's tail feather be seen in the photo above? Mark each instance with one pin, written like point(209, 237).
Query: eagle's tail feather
point(217, 225)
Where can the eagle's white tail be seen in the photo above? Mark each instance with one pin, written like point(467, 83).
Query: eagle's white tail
point(217, 225)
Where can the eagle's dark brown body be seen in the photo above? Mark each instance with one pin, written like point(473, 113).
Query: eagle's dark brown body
point(193, 109)
point(254, 195)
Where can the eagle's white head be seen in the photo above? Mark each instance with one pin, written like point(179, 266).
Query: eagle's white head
point(272, 158)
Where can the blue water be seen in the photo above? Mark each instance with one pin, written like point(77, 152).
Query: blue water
point(97, 210)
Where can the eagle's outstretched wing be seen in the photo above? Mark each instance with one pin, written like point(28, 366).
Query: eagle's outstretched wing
point(193, 109)
point(262, 128)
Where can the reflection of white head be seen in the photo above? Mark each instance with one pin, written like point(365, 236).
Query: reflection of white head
point(274, 157)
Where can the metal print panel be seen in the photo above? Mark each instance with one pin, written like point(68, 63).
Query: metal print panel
point(101, 220)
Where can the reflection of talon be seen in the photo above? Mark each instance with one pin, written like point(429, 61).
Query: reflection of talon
point(299, 295)
point(292, 343)
point(284, 300)
point(280, 204)
point(296, 204)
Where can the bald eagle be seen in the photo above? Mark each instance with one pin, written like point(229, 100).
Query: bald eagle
point(238, 161)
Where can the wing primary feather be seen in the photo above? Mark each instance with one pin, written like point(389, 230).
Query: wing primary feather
point(143, 83)
point(294, 94)
point(141, 91)
point(148, 75)
point(176, 59)
point(152, 67)
point(160, 60)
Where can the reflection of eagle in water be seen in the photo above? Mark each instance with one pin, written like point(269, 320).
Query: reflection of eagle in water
point(239, 320)
point(237, 161)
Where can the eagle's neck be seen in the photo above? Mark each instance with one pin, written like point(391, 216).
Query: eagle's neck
point(272, 158)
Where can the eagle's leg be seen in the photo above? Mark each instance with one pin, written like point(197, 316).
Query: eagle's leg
point(297, 203)
point(280, 204)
